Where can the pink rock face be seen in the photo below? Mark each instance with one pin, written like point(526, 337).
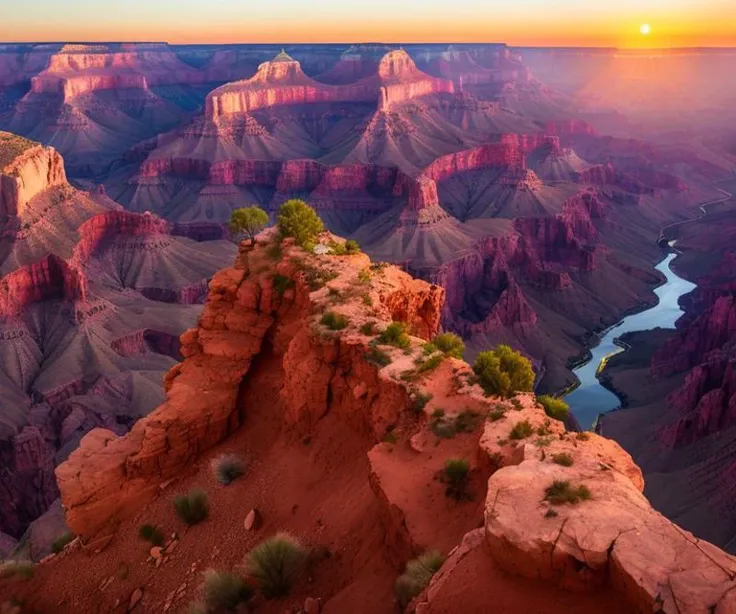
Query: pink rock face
point(71, 87)
point(49, 278)
point(507, 153)
point(569, 127)
point(37, 169)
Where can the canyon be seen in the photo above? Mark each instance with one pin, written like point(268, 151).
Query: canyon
point(92, 301)
point(527, 187)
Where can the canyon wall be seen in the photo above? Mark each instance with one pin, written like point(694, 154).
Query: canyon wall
point(33, 171)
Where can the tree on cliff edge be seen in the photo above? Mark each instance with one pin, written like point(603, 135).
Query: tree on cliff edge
point(297, 219)
point(249, 221)
point(504, 371)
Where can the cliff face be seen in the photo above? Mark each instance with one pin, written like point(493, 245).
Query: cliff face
point(597, 552)
point(36, 169)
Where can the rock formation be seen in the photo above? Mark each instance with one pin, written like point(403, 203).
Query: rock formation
point(609, 552)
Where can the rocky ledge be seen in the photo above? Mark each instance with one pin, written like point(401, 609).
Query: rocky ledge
point(608, 544)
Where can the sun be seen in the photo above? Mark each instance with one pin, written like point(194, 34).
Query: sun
point(645, 29)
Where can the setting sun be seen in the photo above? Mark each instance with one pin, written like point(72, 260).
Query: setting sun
point(645, 29)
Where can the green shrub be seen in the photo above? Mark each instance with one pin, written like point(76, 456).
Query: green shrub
point(420, 401)
point(61, 542)
point(456, 474)
point(521, 430)
point(249, 221)
point(228, 468)
point(352, 247)
point(496, 414)
point(563, 459)
point(224, 592)
point(417, 576)
point(443, 427)
point(449, 344)
point(584, 436)
point(317, 277)
point(297, 219)
point(334, 321)
point(503, 371)
point(16, 569)
point(281, 284)
point(364, 276)
point(467, 421)
point(560, 492)
point(378, 357)
point(193, 507)
point(274, 251)
point(395, 335)
point(367, 300)
point(429, 349)
point(431, 363)
point(151, 533)
point(276, 564)
point(517, 404)
point(368, 329)
point(553, 407)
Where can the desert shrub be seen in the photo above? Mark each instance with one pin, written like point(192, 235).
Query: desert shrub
point(560, 492)
point(297, 219)
point(390, 437)
point(281, 284)
point(584, 436)
point(61, 542)
point(395, 335)
point(553, 407)
point(228, 468)
point(249, 221)
point(16, 569)
point(517, 404)
point(224, 592)
point(334, 321)
point(378, 357)
point(276, 564)
point(417, 575)
point(449, 344)
point(317, 277)
point(467, 421)
point(420, 401)
point(193, 507)
point(429, 349)
point(431, 363)
point(550, 513)
point(503, 371)
point(521, 430)
point(442, 427)
point(368, 329)
point(367, 300)
point(364, 276)
point(438, 413)
point(496, 414)
point(151, 533)
point(563, 459)
point(352, 247)
point(274, 251)
point(456, 474)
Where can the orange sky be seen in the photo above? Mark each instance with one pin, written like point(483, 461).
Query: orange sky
point(675, 23)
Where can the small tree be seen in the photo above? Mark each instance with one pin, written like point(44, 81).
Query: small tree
point(248, 220)
point(297, 219)
point(504, 371)
point(553, 407)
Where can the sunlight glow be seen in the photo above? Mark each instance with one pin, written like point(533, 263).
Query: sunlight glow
point(645, 29)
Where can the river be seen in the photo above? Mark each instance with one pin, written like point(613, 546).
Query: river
point(590, 399)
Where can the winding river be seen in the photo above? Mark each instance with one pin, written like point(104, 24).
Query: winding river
point(590, 398)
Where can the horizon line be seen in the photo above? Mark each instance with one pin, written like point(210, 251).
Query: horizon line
point(394, 43)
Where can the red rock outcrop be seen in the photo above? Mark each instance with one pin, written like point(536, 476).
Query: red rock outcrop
point(27, 174)
point(609, 544)
point(109, 476)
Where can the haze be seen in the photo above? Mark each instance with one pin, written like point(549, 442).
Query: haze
point(674, 23)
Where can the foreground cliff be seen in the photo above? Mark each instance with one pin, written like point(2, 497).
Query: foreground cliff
point(346, 437)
